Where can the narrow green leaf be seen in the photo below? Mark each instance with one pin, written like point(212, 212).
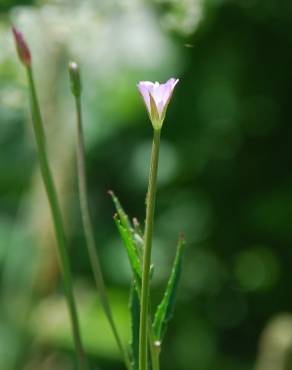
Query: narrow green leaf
point(130, 248)
point(120, 211)
point(135, 324)
point(132, 229)
point(165, 309)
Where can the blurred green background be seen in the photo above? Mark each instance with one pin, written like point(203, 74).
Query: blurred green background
point(225, 177)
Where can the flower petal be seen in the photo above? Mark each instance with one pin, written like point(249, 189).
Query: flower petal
point(171, 85)
point(145, 88)
point(156, 97)
point(168, 90)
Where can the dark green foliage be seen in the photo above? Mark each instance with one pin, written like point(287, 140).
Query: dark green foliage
point(5, 5)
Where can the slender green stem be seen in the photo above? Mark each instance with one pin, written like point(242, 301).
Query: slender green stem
point(57, 218)
point(150, 206)
point(89, 234)
point(155, 355)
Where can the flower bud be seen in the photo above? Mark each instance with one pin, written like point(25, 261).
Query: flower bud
point(22, 47)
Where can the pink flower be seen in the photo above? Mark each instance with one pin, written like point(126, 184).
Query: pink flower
point(22, 47)
point(156, 97)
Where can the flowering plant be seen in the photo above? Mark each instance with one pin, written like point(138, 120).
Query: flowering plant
point(147, 332)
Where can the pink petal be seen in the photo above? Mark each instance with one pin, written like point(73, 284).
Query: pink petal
point(146, 87)
point(161, 94)
point(169, 87)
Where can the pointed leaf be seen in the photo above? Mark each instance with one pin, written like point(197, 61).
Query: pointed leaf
point(120, 211)
point(165, 309)
point(130, 248)
point(132, 229)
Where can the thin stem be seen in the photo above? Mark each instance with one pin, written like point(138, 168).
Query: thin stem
point(150, 206)
point(154, 356)
point(89, 234)
point(57, 218)
point(156, 364)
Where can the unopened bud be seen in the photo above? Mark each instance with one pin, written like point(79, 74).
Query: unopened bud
point(75, 79)
point(22, 47)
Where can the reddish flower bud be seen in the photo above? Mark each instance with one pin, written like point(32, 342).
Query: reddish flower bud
point(22, 48)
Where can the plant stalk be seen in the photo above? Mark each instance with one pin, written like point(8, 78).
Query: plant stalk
point(155, 356)
point(154, 348)
point(57, 218)
point(89, 234)
point(150, 207)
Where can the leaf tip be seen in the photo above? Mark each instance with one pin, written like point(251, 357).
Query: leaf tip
point(110, 192)
point(181, 236)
